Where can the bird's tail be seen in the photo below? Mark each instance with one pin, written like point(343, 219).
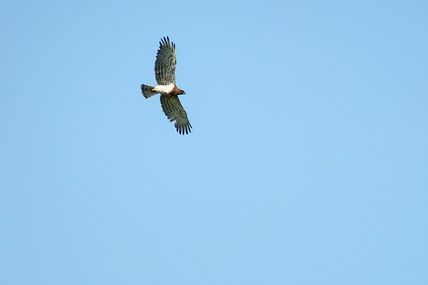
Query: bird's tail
point(147, 90)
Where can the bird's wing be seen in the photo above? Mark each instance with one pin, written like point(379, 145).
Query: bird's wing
point(173, 109)
point(165, 62)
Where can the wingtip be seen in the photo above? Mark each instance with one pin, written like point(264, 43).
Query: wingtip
point(166, 41)
point(184, 130)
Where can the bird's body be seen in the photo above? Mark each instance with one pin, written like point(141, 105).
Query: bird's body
point(164, 89)
point(165, 76)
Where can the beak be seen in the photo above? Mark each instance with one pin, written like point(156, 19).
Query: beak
point(182, 92)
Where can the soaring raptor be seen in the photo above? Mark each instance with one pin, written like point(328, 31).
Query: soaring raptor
point(165, 77)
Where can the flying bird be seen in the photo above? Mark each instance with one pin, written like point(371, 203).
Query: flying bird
point(165, 77)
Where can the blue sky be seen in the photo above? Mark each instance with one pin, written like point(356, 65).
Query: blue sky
point(307, 163)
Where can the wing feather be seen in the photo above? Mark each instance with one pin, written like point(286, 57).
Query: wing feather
point(174, 111)
point(165, 62)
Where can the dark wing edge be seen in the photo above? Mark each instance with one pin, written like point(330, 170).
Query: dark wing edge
point(166, 62)
point(174, 111)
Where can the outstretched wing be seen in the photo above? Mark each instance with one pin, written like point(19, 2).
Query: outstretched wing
point(165, 62)
point(173, 109)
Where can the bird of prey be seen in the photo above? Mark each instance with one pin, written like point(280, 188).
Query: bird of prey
point(165, 77)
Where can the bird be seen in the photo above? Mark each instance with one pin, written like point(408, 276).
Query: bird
point(165, 77)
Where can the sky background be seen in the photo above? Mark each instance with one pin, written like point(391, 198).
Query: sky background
point(307, 163)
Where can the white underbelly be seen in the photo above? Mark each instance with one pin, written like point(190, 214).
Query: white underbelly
point(164, 89)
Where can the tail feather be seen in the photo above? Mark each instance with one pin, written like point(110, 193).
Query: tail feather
point(147, 90)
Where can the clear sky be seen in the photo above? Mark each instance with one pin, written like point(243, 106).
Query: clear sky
point(307, 164)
